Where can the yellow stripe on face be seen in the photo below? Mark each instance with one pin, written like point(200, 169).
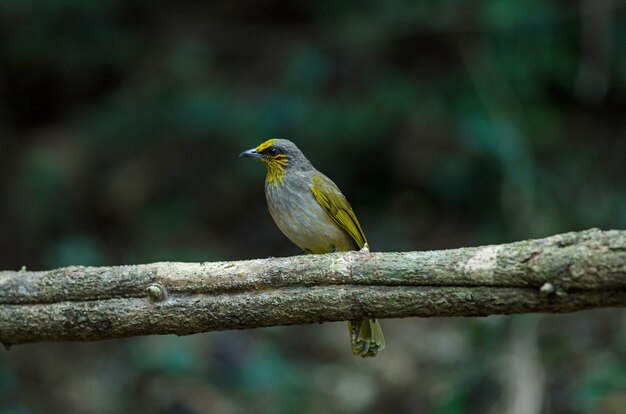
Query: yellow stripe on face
point(275, 168)
point(262, 147)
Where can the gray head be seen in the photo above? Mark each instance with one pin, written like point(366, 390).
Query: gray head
point(280, 154)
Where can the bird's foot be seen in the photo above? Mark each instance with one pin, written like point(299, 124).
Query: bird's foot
point(365, 249)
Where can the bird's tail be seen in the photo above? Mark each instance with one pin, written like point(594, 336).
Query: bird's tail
point(367, 337)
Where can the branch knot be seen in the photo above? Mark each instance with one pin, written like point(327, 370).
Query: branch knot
point(157, 292)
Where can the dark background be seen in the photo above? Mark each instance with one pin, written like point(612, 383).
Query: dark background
point(445, 123)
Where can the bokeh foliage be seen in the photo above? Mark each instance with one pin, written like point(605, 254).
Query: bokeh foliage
point(446, 123)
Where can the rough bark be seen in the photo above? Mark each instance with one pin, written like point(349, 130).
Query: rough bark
point(563, 273)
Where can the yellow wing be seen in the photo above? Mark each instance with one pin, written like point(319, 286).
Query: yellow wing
point(329, 196)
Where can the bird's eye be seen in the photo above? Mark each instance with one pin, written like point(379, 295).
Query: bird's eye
point(272, 151)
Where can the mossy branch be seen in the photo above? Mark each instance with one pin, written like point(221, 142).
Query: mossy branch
point(563, 273)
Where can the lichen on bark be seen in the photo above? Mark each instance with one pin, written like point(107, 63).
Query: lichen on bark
point(562, 273)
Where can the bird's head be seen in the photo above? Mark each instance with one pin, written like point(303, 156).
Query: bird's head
point(279, 155)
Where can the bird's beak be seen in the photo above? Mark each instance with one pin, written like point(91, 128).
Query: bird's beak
point(251, 153)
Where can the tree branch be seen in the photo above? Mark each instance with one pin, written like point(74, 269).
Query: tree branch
point(563, 273)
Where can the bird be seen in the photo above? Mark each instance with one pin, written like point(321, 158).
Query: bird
point(312, 212)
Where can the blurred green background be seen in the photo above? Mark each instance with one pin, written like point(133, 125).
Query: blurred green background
point(446, 123)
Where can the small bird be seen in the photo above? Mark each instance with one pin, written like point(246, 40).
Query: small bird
point(313, 213)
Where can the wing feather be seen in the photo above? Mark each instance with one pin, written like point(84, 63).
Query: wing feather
point(333, 201)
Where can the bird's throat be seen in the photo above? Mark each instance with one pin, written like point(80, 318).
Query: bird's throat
point(275, 170)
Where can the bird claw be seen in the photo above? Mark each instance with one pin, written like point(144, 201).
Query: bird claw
point(365, 249)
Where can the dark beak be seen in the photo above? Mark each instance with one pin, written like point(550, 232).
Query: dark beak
point(251, 153)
